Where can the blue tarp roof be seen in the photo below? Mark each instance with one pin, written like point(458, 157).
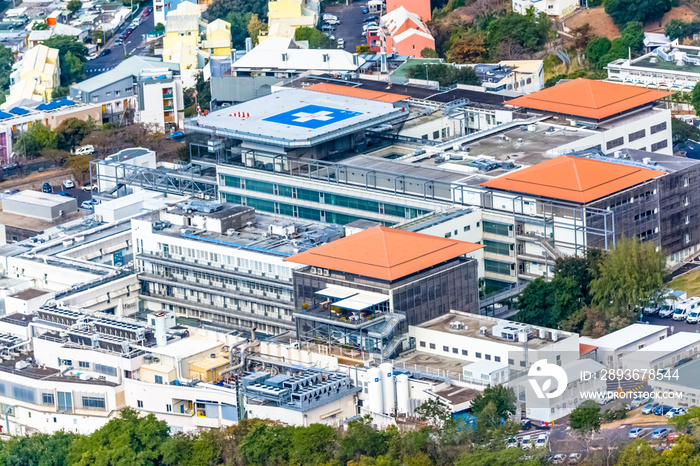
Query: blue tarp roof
point(4, 115)
point(19, 111)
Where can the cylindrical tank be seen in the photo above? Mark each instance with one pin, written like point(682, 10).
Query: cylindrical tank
point(402, 393)
point(387, 370)
point(161, 330)
point(374, 390)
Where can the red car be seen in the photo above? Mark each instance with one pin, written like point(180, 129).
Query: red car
point(146, 13)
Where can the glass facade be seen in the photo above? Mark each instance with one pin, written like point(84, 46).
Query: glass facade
point(496, 247)
point(496, 228)
point(502, 268)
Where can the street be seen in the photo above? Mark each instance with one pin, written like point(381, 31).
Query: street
point(350, 27)
point(135, 44)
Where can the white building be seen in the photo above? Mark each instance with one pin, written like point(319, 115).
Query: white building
point(663, 354)
point(551, 7)
point(669, 67)
point(681, 388)
point(613, 346)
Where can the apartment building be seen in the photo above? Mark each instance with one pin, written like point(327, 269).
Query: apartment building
point(403, 32)
point(222, 264)
point(285, 16)
point(140, 89)
point(550, 7)
point(34, 76)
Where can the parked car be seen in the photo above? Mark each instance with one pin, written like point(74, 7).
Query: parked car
point(672, 413)
point(65, 194)
point(662, 410)
point(146, 13)
point(512, 442)
point(526, 442)
point(85, 150)
point(89, 187)
point(327, 16)
point(671, 438)
point(341, 43)
point(559, 458)
point(542, 440)
point(177, 135)
point(636, 432)
point(105, 52)
point(92, 56)
point(650, 311)
point(68, 184)
point(46, 188)
point(88, 205)
point(327, 28)
point(370, 19)
point(693, 317)
point(661, 432)
point(575, 458)
point(649, 408)
point(334, 22)
point(666, 312)
point(365, 10)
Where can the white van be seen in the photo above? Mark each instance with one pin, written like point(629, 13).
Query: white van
point(684, 309)
point(89, 149)
point(694, 316)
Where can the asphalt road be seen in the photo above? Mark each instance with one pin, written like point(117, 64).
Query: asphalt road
point(350, 27)
point(134, 45)
point(76, 192)
point(678, 325)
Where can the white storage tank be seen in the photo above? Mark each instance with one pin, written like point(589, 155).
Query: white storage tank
point(374, 390)
point(402, 393)
point(387, 370)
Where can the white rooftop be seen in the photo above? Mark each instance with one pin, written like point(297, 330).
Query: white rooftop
point(485, 367)
point(39, 199)
point(187, 347)
point(295, 118)
point(296, 59)
point(624, 336)
point(675, 342)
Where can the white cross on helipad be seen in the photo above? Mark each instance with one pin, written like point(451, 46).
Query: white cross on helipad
point(303, 117)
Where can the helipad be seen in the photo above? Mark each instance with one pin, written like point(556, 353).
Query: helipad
point(296, 118)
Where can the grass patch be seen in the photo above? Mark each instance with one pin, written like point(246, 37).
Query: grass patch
point(690, 283)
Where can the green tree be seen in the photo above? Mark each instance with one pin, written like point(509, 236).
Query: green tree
point(159, 27)
point(129, 439)
point(37, 449)
point(596, 49)
point(427, 52)
point(629, 278)
point(222, 8)
point(39, 26)
point(35, 139)
point(434, 411)
point(502, 398)
point(6, 61)
point(312, 445)
point(530, 31)
point(255, 27)
point(316, 38)
point(678, 29)
point(267, 445)
point(638, 453)
point(549, 303)
point(483, 456)
point(360, 439)
point(695, 98)
point(469, 48)
point(446, 75)
point(70, 133)
point(624, 11)
point(585, 419)
point(239, 28)
point(72, 56)
point(682, 131)
point(74, 5)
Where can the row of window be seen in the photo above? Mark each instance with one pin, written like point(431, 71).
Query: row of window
point(644, 215)
point(659, 145)
point(316, 196)
point(464, 352)
point(497, 228)
point(502, 268)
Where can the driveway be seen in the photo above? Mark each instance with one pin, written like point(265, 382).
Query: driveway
point(350, 27)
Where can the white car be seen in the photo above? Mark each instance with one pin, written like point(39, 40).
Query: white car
point(559, 458)
point(574, 458)
point(92, 56)
point(332, 21)
point(89, 187)
point(512, 442)
point(68, 184)
point(341, 43)
point(87, 205)
point(635, 433)
point(666, 313)
point(526, 442)
point(542, 440)
point(89, 149)
point(327, 16)
point(693, 317)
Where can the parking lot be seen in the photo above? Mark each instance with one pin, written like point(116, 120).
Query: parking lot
point(678, 325)
point(351, 22)
point(76, 192)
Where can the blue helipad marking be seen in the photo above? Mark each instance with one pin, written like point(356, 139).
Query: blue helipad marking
point(312, 116)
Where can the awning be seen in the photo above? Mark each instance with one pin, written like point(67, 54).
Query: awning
point(336, 292)
point(362, 301)
point(332, 413)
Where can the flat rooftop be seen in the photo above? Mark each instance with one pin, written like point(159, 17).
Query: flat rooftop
point(257, 234)
point(39, 199)
point(29, 294)
point(23, 320)
point(296, 118)
point(472, 324)
point(575, 179)
point(35, 224)
point(624, 336)
point(127, 154)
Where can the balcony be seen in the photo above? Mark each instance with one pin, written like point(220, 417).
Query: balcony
point(167, 107)
point(168, 95)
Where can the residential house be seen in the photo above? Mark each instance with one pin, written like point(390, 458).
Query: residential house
point(285, 16)
point(402, 32)
point(550, 7)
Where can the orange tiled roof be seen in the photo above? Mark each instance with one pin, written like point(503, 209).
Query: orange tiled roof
point(357, 92)
point(588, 98)
point(384, 253)
point(585, 349)
point(573, 179)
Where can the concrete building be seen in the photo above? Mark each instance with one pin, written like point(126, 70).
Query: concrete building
point(612, 347)
point(362, 290)
point(682, 388)
point(48, 207)
point(520, 76)
point(140, 89)
point(419, 7)
point(670, 67)
point(272, 61)
point(403, 32)
point(663, 354)
point(34, 76)
point(181, 42)
point(222, 264)
point(550, 7)
point(285, 16)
